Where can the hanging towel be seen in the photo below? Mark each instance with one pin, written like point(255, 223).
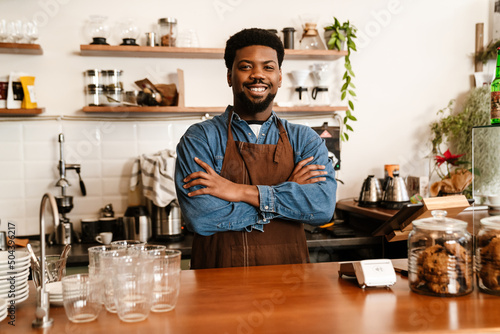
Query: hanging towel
point(156, 172)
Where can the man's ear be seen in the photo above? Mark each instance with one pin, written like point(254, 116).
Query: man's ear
point(229, 78)
point(281, 78)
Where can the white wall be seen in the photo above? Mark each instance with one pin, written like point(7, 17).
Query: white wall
point(413, 57)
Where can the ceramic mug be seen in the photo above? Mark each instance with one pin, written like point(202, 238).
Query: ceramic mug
point(104, 238)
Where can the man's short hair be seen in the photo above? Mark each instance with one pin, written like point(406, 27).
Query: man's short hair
point(252, 36)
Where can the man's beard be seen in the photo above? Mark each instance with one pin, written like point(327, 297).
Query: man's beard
point(255, 107)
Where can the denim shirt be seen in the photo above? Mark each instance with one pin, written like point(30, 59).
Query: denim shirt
point(206, 214)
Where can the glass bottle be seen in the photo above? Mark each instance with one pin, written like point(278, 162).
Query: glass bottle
point(495, 94)
point(440, 256)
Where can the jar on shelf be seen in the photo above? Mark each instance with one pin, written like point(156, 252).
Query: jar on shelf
point(95, 96)
point(113, 79)
point(167, 30)
point(114, 97)
point(488, 255)
point(94, 78)
point(440, 256)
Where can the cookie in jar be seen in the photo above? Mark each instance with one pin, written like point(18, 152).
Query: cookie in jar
point(440, 256)
point(488, 255)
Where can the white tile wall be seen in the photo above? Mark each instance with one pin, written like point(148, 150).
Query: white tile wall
point(29, 154)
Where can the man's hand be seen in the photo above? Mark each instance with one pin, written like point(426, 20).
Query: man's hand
point(217, 186)
point(303, 174)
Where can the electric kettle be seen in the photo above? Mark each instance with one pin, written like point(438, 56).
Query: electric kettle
point(371, 192)
point(395, 192)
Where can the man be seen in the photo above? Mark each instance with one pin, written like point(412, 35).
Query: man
point(246, 180)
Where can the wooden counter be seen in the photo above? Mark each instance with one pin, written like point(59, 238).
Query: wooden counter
point(309, 298)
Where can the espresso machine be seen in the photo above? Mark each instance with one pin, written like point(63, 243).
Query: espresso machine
point(64, 233)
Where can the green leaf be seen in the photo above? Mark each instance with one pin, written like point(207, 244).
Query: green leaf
point(352, 118)
point(343, 95)
point(348, 113)
point(352, 92)
point(346, 136)
point(345, 120)
point(337, 44)
point(348, 127)
point(351, 105)
point(344, 86)
point(341, 36)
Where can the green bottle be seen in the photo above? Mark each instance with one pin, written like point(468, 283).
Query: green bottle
point(495, 94)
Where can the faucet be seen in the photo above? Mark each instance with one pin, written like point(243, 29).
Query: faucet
point(42, 319)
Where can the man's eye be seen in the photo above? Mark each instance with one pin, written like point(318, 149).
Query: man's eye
point(269, 68)
point(245, 67)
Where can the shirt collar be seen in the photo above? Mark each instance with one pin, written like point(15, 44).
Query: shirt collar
point(273, 118)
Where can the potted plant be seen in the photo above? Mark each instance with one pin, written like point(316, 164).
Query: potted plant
point(337, 36)
point(453, 130)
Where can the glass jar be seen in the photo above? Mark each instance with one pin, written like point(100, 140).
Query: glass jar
point(167, 30)
point(113, 79)
point(440, 256)
point(94, 78)
point(114, 97)
point(95, 96)
point(488, 255)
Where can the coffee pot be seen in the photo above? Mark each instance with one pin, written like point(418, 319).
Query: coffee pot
point(371, 192)
point(166, 221)
point(137, 223)
point(395, 192)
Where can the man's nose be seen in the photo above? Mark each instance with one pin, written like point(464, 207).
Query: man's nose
point(257, 73)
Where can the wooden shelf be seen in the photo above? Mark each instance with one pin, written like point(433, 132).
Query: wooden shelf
point(21, 112)
point(203, 110)
point(21, 48)
point(197, 53)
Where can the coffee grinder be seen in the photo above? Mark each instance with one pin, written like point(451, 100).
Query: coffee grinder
point(63, 233)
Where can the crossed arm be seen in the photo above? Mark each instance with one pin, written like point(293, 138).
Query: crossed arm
point(215, 185)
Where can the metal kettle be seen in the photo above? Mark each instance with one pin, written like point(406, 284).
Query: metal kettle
point(395, 192)
point(166, 221)
point(137, 223)
point(371, 192)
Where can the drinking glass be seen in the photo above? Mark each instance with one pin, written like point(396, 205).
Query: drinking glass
point(81, 297)
point(166, 271)
point(133, 286)
point(4, 34)
point(127, 243)
point(55, 269)
point(15, 30)
point(30, 30)
point(107, 271)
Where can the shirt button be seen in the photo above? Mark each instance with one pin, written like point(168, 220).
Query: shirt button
point(249, 133)
point(264, 220)
point(266, 207)
point(262, 135)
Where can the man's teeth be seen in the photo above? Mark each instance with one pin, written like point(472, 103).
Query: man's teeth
point(260, 89)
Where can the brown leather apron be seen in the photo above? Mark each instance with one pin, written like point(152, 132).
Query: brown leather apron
point(283, 242)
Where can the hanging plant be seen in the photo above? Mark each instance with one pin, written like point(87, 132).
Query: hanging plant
point(337, 36)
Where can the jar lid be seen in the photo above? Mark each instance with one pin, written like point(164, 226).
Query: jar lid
point(167, 20)
point(491, 222)
point(439, 222)
point(114, 72)
point(93, 72)
point(289, 29)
